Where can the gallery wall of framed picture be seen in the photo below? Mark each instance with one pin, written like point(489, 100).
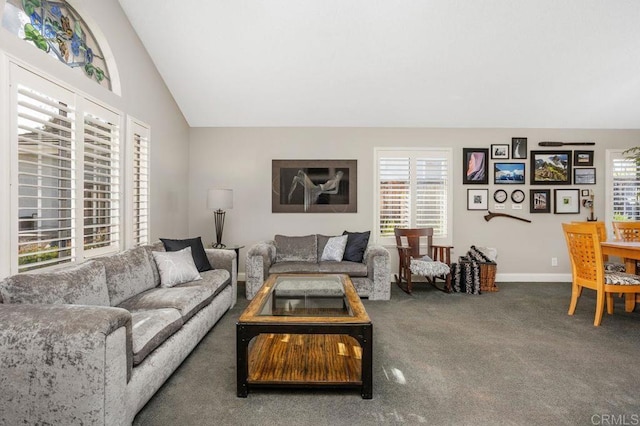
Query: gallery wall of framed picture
point(552, 175)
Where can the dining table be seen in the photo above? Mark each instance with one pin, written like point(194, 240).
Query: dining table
point(629, 251)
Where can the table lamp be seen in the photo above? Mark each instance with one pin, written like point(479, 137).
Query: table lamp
point(219, 200)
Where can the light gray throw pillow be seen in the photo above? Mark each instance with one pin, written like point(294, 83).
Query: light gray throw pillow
point(334, 249)
point(176, 267)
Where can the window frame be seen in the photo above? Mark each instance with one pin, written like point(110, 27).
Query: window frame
point(414, 153)
point(135, 126)
point(611, 155)
point(20, 73)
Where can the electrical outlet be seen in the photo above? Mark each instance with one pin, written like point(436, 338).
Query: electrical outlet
point(554, 261)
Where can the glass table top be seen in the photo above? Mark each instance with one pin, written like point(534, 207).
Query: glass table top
point(307, 296)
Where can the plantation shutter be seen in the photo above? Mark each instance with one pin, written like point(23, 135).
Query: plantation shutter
point(140, 184)
point(432, 194)
point(413, 190)
point(394, 189)
point(46, 168)
point(625, 187)
point(101, 180)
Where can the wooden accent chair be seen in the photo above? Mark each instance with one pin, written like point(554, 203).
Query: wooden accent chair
point(408, 242)
point(587, 267)
point(627, 231)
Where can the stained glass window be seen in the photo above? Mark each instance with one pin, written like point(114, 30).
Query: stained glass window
point(56, 28)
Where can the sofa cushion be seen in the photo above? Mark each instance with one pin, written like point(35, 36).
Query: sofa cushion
point(84, 284)
point(157, 246)
point(322, 242)
point(356, 245)
point(197, 250)
point(294, 268)
point(151, 328)
point(334, 249)
point(176, 267)
point(296, 249)
point(128, 273)
point(187, 298)
point(353, 269)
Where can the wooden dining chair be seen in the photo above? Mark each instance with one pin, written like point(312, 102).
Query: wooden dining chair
point(587, 268)
point(627, 231)
point(415, 243)
point(602, 233)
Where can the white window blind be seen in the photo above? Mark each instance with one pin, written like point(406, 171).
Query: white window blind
point(65, 164)
point(45, 176)
point(413, 190)
point(139, 141)
point(101, 180)
point(623, 187)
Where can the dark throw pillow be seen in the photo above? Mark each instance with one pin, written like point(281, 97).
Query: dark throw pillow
point(356, 245)
point(197, 251)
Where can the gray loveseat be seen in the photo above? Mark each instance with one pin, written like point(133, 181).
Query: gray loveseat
point(91, 344)
point(302, 254)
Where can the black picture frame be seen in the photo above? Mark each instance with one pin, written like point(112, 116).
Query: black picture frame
point(582, 158)
point(539, 201)
point(566, 201)
point(519, 148)
point(477, 199)
point(303, 186)
point(475, 166)
point(509, 173)
point(551, 167)
point(500, 151)
point(584, 176)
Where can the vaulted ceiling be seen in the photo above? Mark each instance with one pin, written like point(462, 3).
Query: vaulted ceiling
point(397, 63)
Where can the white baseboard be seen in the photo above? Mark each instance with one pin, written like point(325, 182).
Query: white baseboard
point(541, 278)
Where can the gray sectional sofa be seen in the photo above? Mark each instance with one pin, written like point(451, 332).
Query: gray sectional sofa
point(303, 254)
point(91, 344)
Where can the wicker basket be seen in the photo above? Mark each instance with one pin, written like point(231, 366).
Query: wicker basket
point(488, 276)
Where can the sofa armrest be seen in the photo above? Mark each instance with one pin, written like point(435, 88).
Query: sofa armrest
point(260, 257)
point(63, 364)
point(377, 259)
point(225, 259)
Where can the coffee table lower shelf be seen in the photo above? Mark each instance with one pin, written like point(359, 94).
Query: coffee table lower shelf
point(305, 360)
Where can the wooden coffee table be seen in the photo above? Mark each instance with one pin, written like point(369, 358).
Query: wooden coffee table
point(305, 331)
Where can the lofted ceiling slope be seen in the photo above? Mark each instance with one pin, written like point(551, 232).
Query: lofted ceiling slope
point(397, 63)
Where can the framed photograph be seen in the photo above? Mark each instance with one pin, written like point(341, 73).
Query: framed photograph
point(499, 152)
point(585, 192)
point(475, 166)
point(314, 186)
point(477, 199)
point(508, 173)
point(584, 176)
point(582, 158)
point(551, 167)
point(518, 148)
point(540, 201)
point(567, 201)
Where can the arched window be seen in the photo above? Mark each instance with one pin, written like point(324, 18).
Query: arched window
point(56, 28)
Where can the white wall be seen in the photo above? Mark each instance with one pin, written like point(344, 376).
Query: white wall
point(240, 158)
point(144, 96)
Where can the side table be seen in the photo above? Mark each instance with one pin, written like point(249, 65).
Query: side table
point(235, 248)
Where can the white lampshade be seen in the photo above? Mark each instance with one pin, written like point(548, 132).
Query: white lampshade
point(221, 199)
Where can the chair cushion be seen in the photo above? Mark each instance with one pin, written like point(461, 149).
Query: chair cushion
point(614, 267)
point(428, 268)
point(621, 278)
point(296, 249)
point(151, 328)
point(84, 284)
